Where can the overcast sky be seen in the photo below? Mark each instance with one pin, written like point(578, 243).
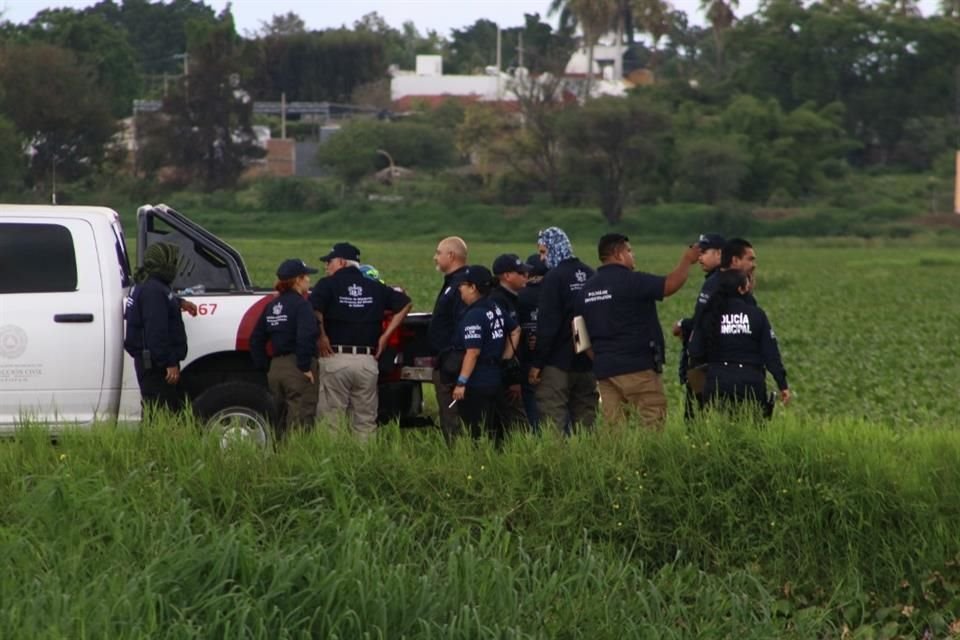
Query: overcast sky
point(439, 15)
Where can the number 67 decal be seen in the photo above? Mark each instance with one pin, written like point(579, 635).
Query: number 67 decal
point(206, 309)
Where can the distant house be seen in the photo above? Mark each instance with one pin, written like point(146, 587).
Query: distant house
point(429, 86)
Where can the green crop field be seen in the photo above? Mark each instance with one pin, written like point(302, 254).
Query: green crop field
point(838, 519)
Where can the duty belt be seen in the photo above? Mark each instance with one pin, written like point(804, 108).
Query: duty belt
point(739, 365)
point(348, 349)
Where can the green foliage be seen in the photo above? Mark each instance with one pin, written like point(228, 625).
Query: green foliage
point(205, 128)
point(885, 69)
point(293, 194)
point(401, 46)
point(614, 142)
point(12, 158)
point(52, 100)
point(99, 45)
point(157, 30)
point(315, 66)
point(474, 47)
point(353, 152)
point(710, 170)
point(713, 531)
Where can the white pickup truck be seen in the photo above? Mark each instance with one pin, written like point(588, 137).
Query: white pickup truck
point(64, 274)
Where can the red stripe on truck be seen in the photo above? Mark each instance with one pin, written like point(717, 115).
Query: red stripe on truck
point(249, 321)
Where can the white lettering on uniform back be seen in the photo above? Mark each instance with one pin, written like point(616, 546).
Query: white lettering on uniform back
point(598, 295)
point(735, 324)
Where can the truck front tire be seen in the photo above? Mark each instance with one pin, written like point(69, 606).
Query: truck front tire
point(235, 411)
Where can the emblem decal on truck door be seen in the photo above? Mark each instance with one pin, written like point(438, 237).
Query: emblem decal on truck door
point(13, 341)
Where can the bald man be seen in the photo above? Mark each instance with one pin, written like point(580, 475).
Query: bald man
point(450, 260)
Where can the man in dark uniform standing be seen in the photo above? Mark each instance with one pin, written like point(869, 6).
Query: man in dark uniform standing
point(564, 379)
point(511, 273)
point(450, 259)
point(350, 308)
point(711, 247)
point(528, 305)
point(156, 337)
point(619, 307)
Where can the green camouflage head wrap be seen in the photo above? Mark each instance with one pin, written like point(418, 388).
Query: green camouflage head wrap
point(159, 260)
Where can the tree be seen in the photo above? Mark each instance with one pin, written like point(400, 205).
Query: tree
point(472, 48)
point(156, 30)
point(12, 159)
point(288, 24)
point(720, 15)
point(401, 47)
point(206, 129)
point(354, 152)
point(710, 169)
point(614, 143)
point(596, 17)
point(98, 45)
point(535, 46)
point(654, 17)
point(53, 101)
point(950, 8)
point(478, 135)
point(535, 152)
point(315, 66)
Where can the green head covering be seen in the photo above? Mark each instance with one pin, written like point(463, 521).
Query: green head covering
point(159, 260)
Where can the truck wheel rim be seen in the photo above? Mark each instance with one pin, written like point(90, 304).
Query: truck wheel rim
point(237, 424)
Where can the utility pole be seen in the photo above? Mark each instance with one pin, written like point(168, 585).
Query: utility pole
point(498, 63)
point(185, 56)
point(956, 181)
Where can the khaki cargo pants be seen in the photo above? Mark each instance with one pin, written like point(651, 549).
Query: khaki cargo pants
point(641, 393)
point(295, 396)
point(567, 395)
point(348, 389)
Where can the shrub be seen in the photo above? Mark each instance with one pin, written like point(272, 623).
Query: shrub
point(295, 194)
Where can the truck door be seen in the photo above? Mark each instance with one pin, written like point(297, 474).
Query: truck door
point(52, 342)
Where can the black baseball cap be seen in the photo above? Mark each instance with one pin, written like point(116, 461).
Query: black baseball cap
point(711, 241)
point(538, 265)
point(343, 250)
point(293, 268)
point(477, 274)
point(510, 263)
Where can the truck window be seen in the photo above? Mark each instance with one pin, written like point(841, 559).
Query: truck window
point(36, 258)
point(126, 278)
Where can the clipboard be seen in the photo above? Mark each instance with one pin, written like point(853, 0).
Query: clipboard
point(581, 339)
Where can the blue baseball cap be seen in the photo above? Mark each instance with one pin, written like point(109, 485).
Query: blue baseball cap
point(510, 263)
point(343, 250)
point(293, 268)
point(711, 241)
point(537, 264)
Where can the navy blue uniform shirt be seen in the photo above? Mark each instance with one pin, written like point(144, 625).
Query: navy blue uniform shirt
point(528, 306)
point(154, 323)
point(290, 326)
point(353, 306)
point(446, 312)
point(558, 295)
point(508, 301)
point(620, 310)
point(743, 337)
point(483, 326)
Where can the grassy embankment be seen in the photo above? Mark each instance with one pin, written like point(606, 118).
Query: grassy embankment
point(718, 530)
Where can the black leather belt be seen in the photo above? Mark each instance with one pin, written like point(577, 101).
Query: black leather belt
point(739, 365)
point(359, 351)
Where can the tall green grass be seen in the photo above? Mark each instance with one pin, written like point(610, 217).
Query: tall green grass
point(795, 530)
